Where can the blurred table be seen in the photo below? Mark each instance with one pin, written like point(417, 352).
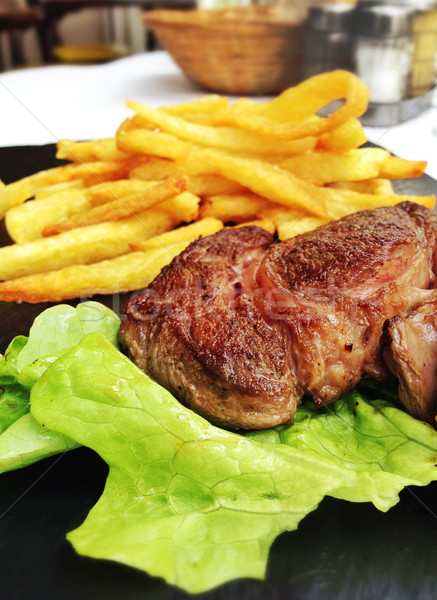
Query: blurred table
point(53, 11)
point(42, 105)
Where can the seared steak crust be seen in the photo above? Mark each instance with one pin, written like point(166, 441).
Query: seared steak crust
point(239, 328)
point(197, 331)
point(334, 287)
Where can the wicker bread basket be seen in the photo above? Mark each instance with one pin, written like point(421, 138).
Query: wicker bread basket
point(240, 51)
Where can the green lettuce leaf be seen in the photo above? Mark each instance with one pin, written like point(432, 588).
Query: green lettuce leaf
point(22, 439)
point(184, 500)
point(197, 505)
point(61, 327)
point(14, 398)
point(26, 441)
point(385, 447)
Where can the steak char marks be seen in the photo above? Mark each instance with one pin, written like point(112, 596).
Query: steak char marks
point(239, 328)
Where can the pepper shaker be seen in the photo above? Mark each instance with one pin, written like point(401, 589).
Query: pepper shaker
point(328, 41)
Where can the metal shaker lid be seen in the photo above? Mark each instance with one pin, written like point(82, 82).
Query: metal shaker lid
point(383, 20)
point(330, 17)
point(417, 5)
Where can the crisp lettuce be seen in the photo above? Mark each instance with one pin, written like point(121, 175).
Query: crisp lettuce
point(384, 447)
point(197, 505)
point(22, 439)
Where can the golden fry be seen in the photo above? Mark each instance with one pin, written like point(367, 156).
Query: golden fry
point(333, 204)
point(89, 173)
point(121, 274)
point(236, 208)
point(347, 136)
point(200, 185)
point(231, 139)
point(199, 110)
point(26, 222)
point(368, 186)
point(98, 150)
point(263, 223)
point(122, 208)
point(329, 167)
point(291, 114)
point(153, 143)
point(189, 233)
point(264, 179)
point(97, 242)
point(102, 193)
point(400, 168)
point(288, 229)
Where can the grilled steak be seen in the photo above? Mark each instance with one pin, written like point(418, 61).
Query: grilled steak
point(239, 328)
point(197, 331)
point(410, 351)
point(334, 287)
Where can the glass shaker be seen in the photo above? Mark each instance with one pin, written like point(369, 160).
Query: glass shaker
point(383, 50)
point(327, 41)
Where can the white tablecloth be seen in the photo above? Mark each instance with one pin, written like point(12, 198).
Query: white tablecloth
point(42, 105)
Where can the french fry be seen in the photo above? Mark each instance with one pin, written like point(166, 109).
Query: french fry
point(97, 242)
point(329, 167)
point(246, 106)
point(89, 173)
point(288, 229)
point(58, 188)
point(154, 143)
point(102, 193)
point(231, 139)
point(334, 204)
point(188, 233)
point(120, 208)
point(291, 114)
point(200, 185)
point(199, 110)
point(347, 136)
point(263, 223)
point(236, 208)
point(369, 186)
point(26, 222)
point(120, 274)
point(98, 150)
point(264, 179)
point(401, 168)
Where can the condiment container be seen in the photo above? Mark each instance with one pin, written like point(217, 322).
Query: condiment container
point(328, 41)
point(383, 50)
point(425, 47)
point(423, 67)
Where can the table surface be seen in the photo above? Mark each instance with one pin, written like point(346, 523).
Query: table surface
point(42, 105)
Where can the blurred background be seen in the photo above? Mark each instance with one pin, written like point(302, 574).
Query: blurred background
point(238, 46)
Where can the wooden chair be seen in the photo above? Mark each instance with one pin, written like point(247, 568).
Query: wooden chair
point(14, 22)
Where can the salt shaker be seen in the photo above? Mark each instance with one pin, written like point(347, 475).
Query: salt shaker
point(328, 41)
point(383, 50)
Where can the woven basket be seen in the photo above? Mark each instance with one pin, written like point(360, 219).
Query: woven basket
point(240, 51)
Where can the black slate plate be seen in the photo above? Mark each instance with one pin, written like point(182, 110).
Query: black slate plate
point(342, 551)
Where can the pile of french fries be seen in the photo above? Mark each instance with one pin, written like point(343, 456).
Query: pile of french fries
point(111, 218)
